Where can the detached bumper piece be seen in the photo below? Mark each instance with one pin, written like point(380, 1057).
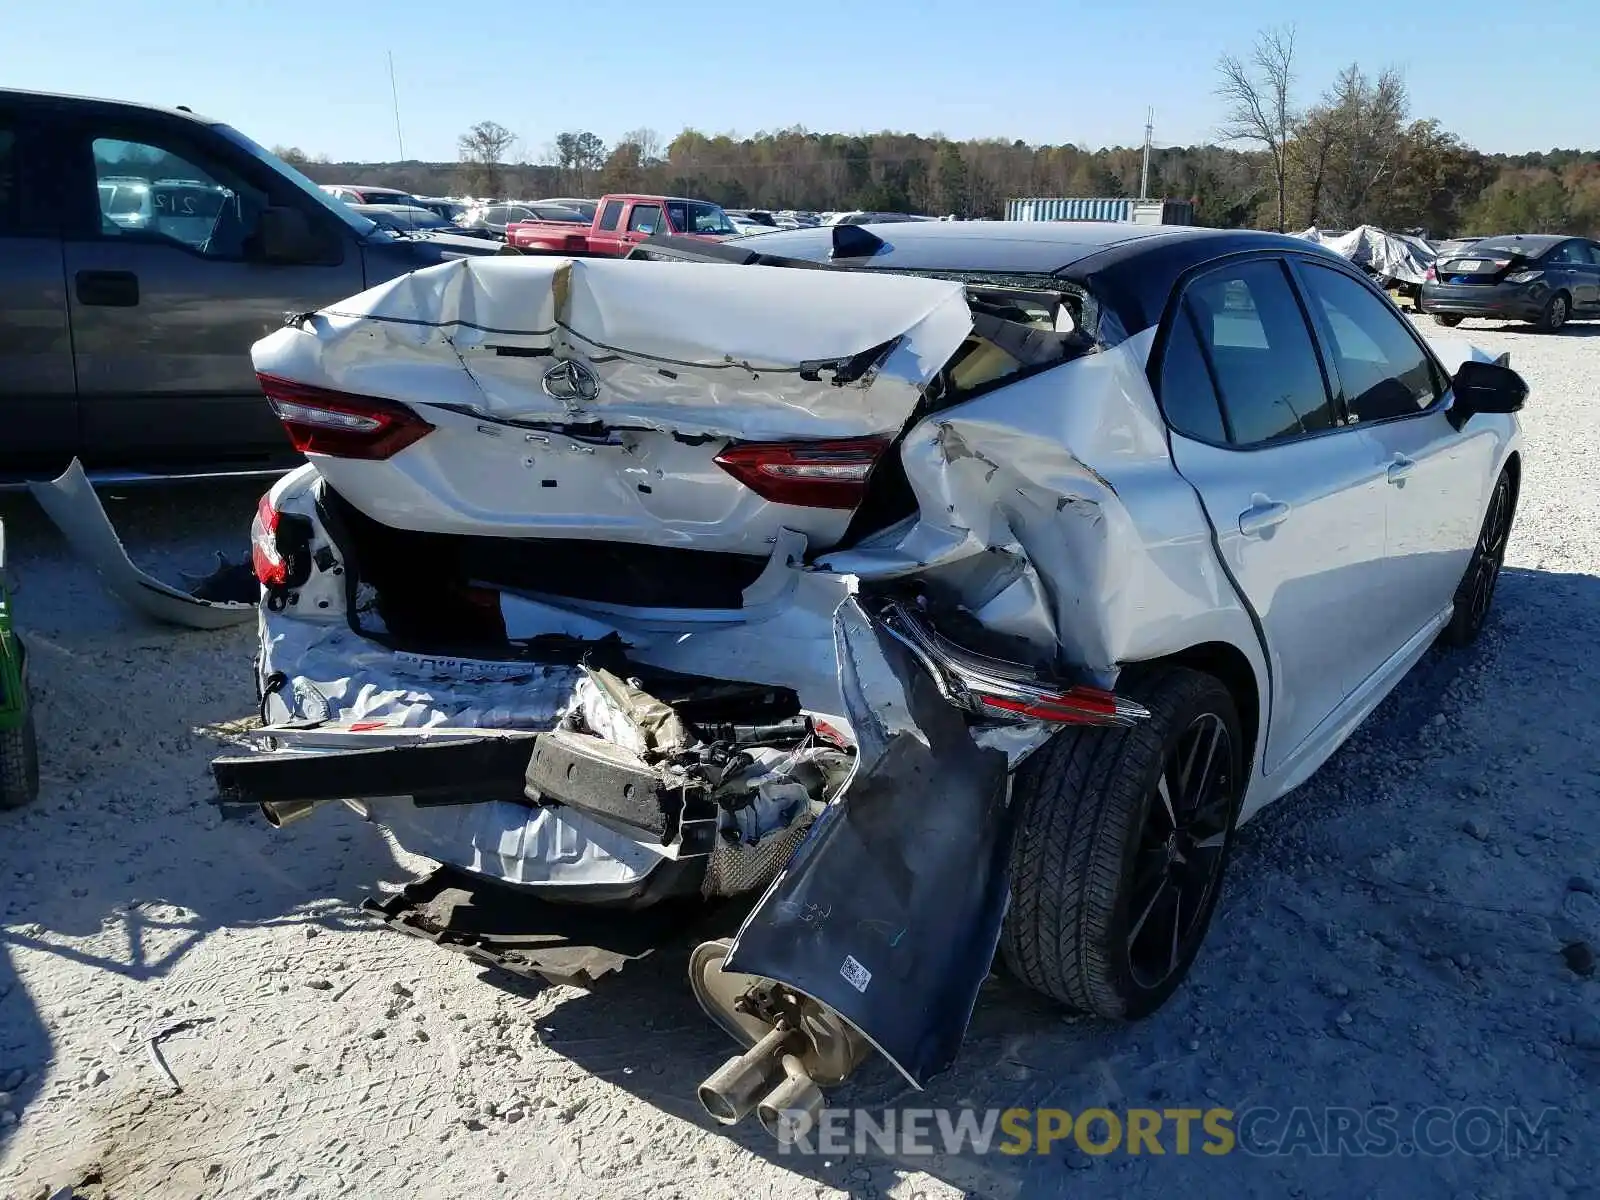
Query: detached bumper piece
point(995, 689)
point(510, 930)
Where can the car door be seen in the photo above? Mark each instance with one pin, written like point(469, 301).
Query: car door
point(38, 389)
point(1294, 496)
point(164, 311)
point(1591, 269)
point(1567, 269)
point(1437, 478)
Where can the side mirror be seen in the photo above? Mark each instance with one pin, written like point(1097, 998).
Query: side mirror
point(1485, 387)
point(286, 235)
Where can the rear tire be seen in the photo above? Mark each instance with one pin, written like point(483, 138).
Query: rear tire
point(1096, 851)
point(1448, 320)
point(1556, 311)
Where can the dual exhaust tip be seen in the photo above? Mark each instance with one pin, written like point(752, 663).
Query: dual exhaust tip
point(770, 1080)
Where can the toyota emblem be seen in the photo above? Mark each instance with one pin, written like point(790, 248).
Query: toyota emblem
point(570, 382)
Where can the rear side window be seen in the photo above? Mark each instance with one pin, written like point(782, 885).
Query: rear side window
point(611, 215)
point(1568, 252)
point(1263, 359)
point(1188, 397)
point(645, 218)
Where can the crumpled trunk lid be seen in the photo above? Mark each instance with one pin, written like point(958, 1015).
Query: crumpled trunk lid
point(592, 398)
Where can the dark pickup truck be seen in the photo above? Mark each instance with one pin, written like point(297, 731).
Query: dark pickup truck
point(142, 252)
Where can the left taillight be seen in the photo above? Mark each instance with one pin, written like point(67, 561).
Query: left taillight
point(805, 474)
point(323, 421)
point(271, 568)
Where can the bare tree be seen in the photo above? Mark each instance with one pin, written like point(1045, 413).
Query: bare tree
point(649, 143)
point(1259, 94)
point(484, 149)
point(1368, 122)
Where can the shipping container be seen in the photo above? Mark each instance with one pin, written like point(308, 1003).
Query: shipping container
point(1079, 208)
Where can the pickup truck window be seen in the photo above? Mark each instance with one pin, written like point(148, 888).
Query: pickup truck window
point(611, 215)
point(148, 191)
point(644, 218)
point(689, 217)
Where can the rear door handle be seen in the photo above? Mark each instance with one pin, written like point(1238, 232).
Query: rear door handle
point(1262, 515)
point(1400, 468)
point(109, 289)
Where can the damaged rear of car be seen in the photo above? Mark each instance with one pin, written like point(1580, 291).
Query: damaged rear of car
point(871, 597)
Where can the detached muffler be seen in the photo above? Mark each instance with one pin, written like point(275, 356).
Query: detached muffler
point(796, 1046)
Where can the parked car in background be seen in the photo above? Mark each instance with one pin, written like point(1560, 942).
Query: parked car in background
point(450, 210)
point(125, 341)
point(761, 575)
point(1548, 279)
point(584, 208)
point(405, 217)
point(622, 222)
point(753, 216)
point(496, 217)
point(361, 194)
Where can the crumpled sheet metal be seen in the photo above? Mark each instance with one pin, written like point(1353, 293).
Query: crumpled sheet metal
point(70, 502)
point(693, 348)
point(889, 912)
point(1015, 525)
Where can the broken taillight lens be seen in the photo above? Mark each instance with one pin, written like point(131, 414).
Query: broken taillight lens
point(271, 568)
point(323, 421)
point(805, 474)
point(991, 687)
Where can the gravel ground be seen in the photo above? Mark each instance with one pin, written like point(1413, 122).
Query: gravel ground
point(196, 1008)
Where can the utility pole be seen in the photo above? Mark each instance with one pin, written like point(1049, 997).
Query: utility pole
point(1144, 173)
point(395, 93)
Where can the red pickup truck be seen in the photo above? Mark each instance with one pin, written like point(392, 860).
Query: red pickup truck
point(620, 223)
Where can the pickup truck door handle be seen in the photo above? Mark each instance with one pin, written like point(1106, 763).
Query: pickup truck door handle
point(1400, 468)
point(1262, 515)
point(109, 289)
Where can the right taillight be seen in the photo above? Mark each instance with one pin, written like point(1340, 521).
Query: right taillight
point(805, 474)
point(323, 421)
point(271, 568)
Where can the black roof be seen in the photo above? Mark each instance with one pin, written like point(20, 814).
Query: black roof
point(1130, 267)
point(94, 104)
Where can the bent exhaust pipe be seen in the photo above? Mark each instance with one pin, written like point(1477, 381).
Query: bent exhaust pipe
point(791, 1109)
point(286, 812)
point(732, 1090)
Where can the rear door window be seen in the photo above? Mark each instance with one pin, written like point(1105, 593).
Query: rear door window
point(1568, 252)
point(1188, 395)
point(1382, 369)
point(1262, 356)
point(645, 218)
point(10, 183)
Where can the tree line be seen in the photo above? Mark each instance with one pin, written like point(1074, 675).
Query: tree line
point(1353, 154)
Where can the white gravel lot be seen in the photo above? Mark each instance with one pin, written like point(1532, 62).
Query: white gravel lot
point(1391, 934)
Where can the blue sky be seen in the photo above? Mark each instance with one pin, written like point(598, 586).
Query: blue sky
point(316, 75)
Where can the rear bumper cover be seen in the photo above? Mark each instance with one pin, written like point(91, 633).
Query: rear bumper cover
point(1522, 302)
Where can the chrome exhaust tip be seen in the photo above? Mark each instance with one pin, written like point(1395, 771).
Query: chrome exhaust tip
point(730, 1092)
point(792, 1108)
point(286, 812)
